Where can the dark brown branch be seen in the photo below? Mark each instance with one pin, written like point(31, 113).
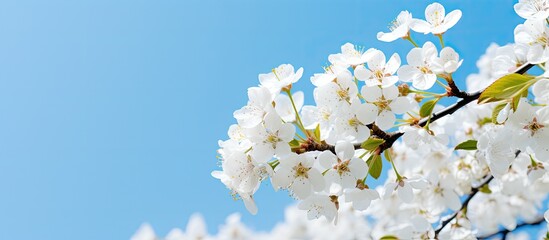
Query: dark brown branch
point(454, 90)
point(504, 232)
point(474, 191)
point(466, 98)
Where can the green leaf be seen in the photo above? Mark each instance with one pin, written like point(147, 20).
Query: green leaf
point(387, 154)
point(294, 143)
point(515, 102)
point(372, 143)
point(389, 237)
point(485, 189)
point(467, 145)
point(427, 108)
point(496, 111)
point(375, 166)
point(507, 87)
point(317, 132)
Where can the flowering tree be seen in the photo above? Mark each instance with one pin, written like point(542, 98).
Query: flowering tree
point(458, 172)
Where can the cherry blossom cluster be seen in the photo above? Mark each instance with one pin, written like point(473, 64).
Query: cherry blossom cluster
point(483, 162)
point(352, 225)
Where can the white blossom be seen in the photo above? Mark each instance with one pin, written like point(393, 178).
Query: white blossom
point(399, 28)
point(420, 69)
point(535, 34)
point(437, 20)
point(379, 72)
point(532, 9)
point(281, 77)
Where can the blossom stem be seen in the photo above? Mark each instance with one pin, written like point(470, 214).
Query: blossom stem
point(474, 191)
point(442, 84)
point(504, 232)
point(299, 123)
point(441, 40)
point(390, 159)
point(409, 38)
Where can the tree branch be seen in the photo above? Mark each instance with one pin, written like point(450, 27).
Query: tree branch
point(466, 98)
point(504, 232)
point(474, 191)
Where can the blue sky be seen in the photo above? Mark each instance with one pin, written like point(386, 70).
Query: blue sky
point(111, 110)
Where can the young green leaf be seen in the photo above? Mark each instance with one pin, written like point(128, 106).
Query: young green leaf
point(317, 132)
point(507, 87)
point(485, 189)
point(372, 143)
point(389, 237)
point(496, 111)
point(375, 166)
point(294, 143)
point(467, 145)
point(427, 108)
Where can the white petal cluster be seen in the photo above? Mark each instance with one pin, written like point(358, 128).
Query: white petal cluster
point(321, 153)
point(351, 225)
point(437, 21)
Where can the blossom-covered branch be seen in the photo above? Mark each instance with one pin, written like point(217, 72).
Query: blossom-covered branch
point(504, 232)
point(330, 155)
point(474, 191)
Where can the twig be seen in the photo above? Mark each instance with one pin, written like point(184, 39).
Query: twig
point(504, 232)
point(465, 99)
point(474, 191)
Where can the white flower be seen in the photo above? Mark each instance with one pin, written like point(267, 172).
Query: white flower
point(535, 34)
point(321, 116)
point(508, 59)
point(496, 149)
point(234, 229)
point(420, 70)
point(196, 229)
point(296, 172)
point(349, 56)
point(178, 234)
point(387, 103)
point(334, 94)
point(360, 198)
point(284, 108)
point(417, 137)
point(512, 183)
point(448, 62)
point(533, 9)
point(437, 20)
point(379, 72)
point(331, 73)
point(260, 102)
point(532, 124)
point(281, 77)
point(541, 91)
point(404, 188)
point(241, 176)
point(319, 206)
point(145, 232)
point(441, 193)
point(344, 169)
point(351, 121)
point(400, 28)
point(271, 139)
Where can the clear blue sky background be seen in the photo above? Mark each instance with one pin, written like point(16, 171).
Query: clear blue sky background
point(110, 111)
